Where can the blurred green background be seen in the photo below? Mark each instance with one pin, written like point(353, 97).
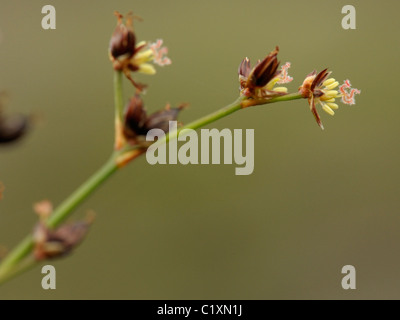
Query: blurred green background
point(317, 200)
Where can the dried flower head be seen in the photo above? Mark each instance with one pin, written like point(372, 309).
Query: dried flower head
point(259, 82)
point(49, 243)
point(123, 40)
point(137, 123)
point(12, 127)
point(317, 88)
point(128, 56)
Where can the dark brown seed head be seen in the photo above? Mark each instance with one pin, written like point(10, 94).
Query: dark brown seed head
point(123, 40)
point(12, 128)
point(138, 123)
point(160, 119)
point(135, 117)
point(264, 71)
point(59, 242)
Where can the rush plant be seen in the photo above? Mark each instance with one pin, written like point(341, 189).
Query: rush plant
point(263, 83)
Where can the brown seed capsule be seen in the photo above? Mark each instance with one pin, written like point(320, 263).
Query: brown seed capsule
point(123, 40)
point(265, 70)
point(258, 82)
point(135, 117)
point(160, 119)
point(59, 242)
point(12, 128)
point(138, 123)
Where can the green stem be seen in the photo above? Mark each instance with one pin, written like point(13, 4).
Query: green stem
point(82, 193)
point(12, 264)
point(287, 97)
point(15, 263)
point(118, 98)
point(25, 247)
point(223, 112)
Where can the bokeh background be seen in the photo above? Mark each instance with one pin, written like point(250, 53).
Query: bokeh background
point(317, 200)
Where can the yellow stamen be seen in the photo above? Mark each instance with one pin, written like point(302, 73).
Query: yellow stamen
point(327, 109)
point(333, 105)
point(332, 85)
point(331, 94)
point(143, 56)
point(281, 89)
point(271, 84)
point(328, 82)
point(147, 68)
point(141, 43)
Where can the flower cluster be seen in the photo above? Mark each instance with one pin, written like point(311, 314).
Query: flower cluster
point(257, 86)
point(320, 89)
point(128, 56)
point(137, 123)
point(259, 82)
point(55, 243)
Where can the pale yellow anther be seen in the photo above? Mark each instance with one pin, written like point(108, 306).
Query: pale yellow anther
point(328, 82)
point(281, 89)
point(327, 109)
point(141, 43)
point(331, 94)
point(271, 84)
point(333, 105)
point(144, 56)
point(330, 100)
point(147, 68)
point(332, 85)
